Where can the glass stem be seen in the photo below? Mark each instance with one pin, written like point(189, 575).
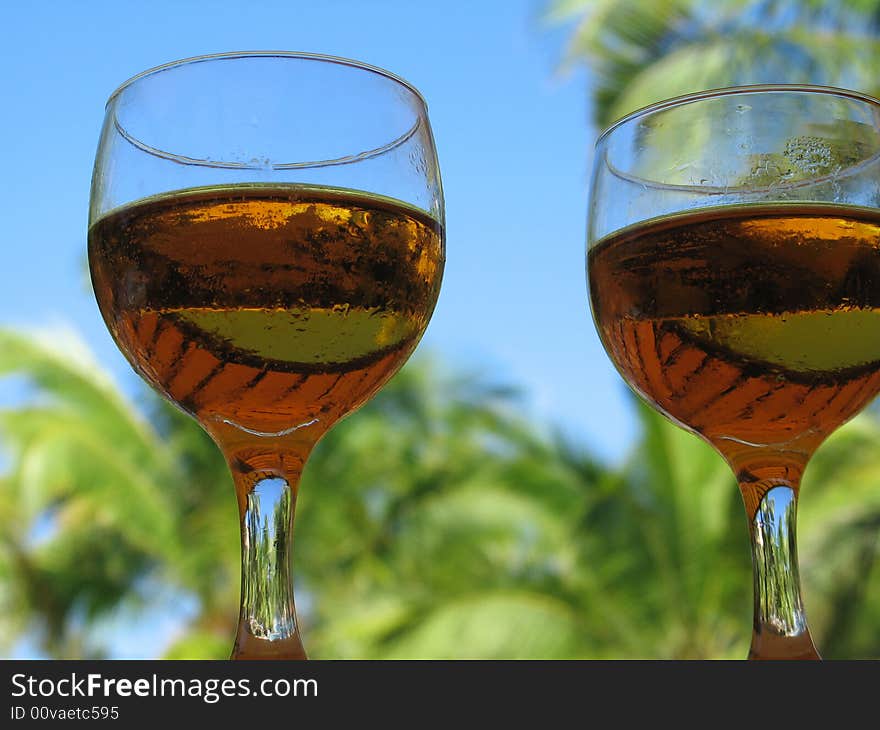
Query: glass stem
point(267, 626)
point(780, 623)
point(266, 474)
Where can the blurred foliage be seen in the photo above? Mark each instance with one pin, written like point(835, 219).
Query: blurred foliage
point(436, 522)
point(643, 51)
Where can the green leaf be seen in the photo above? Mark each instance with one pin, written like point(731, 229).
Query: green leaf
point(505, 625)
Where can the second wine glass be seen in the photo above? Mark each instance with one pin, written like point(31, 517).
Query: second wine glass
point(734, 276)
point(266, 246)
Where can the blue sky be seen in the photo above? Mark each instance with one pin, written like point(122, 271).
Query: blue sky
point(513, 139)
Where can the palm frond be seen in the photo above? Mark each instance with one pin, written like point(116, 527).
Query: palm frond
point(640, 52)
point(493, 625)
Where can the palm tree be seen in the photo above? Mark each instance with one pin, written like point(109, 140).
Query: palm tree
point(447, 525)
point(83, 510)
point(437, 522)
point(642, 51)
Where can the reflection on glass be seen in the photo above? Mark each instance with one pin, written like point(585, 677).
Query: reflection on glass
point(779, 611)
point(267, 599)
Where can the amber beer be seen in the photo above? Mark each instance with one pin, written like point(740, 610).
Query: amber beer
point(267, 307)
point(755, 326)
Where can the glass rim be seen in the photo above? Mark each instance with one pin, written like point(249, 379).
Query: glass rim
point(301, 55)
point(723, 91)
point(420, 113)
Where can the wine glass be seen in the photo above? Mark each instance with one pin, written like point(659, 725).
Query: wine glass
point(266, 245)
point(734, 274)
